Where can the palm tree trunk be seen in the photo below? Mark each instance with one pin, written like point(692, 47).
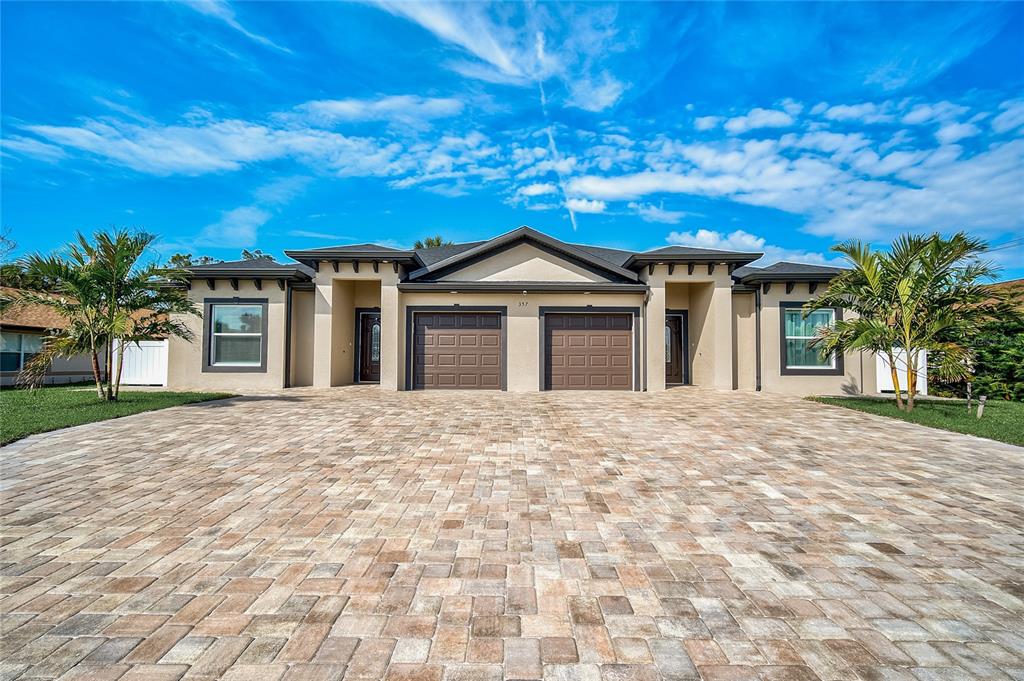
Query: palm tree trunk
point(110, 369)
point(895, 381)
point(96, 375)
point(120, 366)
point(911, 380)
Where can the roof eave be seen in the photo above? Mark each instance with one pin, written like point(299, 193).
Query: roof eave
point(724, 257)
point(243, 273)
point(524, 286)
point(761, 277)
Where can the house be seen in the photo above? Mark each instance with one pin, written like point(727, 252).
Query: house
point(520, 312)
point(22, 328)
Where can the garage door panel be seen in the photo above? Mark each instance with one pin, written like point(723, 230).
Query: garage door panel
point(457, 350)
point(588, 351)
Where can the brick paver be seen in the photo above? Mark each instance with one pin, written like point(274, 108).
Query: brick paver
point(358, 534)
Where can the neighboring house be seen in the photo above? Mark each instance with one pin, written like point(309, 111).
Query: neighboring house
point(22, 328)
point(521, 312)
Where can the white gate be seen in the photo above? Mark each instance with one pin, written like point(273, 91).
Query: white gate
point(884, 375)
point(145, 363)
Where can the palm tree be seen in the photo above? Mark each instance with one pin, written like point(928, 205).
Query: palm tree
point(924, 296)
point(435, 241)
point(110, 299)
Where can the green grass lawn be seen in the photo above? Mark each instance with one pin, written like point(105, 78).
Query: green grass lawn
point(25, 412)
point(1003, 421)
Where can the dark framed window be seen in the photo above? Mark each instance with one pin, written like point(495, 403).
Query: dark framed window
point(17, 349)
point(235, 337)
point(796, 332)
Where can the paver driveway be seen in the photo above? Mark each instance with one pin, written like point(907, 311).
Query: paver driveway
point(358, 534)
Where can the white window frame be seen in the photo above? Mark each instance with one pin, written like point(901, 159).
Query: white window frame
point(835, 365)
point(787, 337)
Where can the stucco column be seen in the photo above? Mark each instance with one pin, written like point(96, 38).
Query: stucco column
point(390, 343)
point(655, 354)
point(322, 332)
point(720, 315)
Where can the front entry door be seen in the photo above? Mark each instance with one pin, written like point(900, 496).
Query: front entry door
point(675, 366)
point(369, 347)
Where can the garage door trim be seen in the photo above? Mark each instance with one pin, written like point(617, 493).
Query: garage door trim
point(635, 311)
point(410, 329)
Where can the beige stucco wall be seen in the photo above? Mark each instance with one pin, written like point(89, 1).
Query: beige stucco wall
point(303, 306)
point(744, 333)
point(336, 297)
point(523, 263)
point(859, 368)
point(707, 299)
point(523, 332)
point(185, 359)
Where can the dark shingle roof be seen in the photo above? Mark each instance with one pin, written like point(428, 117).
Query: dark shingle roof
point(354, 248)
point(266, 267)
point(431, 255)
point(782, 270)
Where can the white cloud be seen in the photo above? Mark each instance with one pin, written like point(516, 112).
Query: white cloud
point(222, 10)
point(500, 49)
point(791, 106)
point(307, 234)
point(31, 147)
point(585, 205)
point(843, 184)
point(951, 133)
point(746, 242)
point(1012, 116)
point(537, 189)
point(706, 122)
point(236, 228)
point(648, 212)
point(865, 113)
point(597, 94)
point(759, 118)
point(940, 111)
point(410, 109)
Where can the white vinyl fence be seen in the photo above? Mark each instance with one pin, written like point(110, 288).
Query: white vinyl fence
point(885, 375)
point(145, 363)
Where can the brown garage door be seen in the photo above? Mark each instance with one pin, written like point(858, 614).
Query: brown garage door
point(457, 350)
point(588, 351)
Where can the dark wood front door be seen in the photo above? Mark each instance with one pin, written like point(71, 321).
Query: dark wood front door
point(369, 347)
point(675, 365)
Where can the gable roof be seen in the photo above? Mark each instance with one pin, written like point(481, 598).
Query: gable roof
point(786, 271)
point(461, 258)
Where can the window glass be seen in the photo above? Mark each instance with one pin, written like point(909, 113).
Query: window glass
point(799, 332)
point(10, 342)
point(31, 343)
point(240, 350)
point(668, 344)
point(237, 318)
point(237, 338)
point(375, 342)
point(10, 351)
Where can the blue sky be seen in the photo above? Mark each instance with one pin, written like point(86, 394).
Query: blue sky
point(761, 126)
